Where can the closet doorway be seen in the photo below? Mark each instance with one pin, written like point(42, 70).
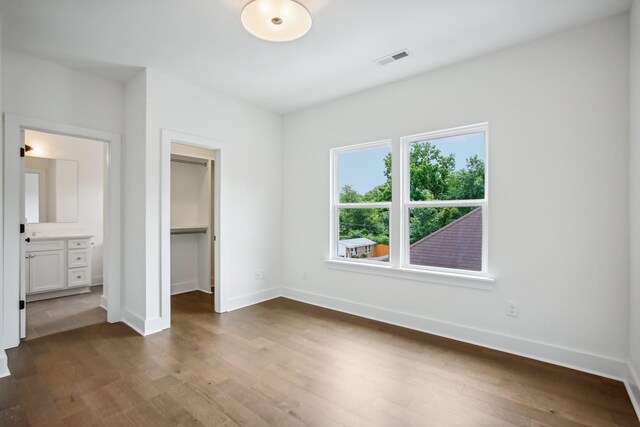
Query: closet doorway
point(190, 221)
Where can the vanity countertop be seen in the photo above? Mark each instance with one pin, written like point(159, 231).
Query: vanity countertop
point(59, 237)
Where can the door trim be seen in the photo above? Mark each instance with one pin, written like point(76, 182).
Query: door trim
point(9, 299)
point(167, 137)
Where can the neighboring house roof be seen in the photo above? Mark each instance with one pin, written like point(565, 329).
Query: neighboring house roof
point(457, 245)
point(356, 243)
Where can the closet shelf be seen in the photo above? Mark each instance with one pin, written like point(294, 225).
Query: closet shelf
point(189, 229)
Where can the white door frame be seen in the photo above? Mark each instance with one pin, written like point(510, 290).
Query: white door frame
point(167, 137)
point(13, 130)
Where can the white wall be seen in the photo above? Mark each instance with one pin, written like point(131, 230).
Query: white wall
point(557, 110)
point(634, 199)
point(90, 156)
point(251, 192)
point(45, 90)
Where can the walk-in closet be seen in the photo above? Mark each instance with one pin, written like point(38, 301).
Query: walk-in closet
point(192, 174)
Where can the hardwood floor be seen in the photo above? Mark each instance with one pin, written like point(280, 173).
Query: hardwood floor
point(283, 363)
point(55, 315)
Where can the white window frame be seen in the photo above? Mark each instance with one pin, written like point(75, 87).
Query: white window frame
point(336, 205)
point(399, 260)
point(407, 204)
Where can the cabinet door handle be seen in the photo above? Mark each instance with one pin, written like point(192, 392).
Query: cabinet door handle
point(78, 259)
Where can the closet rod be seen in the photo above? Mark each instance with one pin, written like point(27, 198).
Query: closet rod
point(188, 231)
point(190, 162)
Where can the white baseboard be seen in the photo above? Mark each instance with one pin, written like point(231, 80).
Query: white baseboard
point(133, 320)
point(633, 388)
point(155, 325)
point(570, 358)
point(141, 326)
point(4, 364)
point(252, 298)
point(182, 287)
point(103, 302)
point(96, 280)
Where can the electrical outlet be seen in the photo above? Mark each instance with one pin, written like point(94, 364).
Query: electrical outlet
point(513, 309)
point(259, 274)
point(304, 275)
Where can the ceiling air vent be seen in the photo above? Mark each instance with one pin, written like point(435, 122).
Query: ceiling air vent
point(393, 57)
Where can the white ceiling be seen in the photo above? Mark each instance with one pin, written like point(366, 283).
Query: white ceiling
point(204, 42)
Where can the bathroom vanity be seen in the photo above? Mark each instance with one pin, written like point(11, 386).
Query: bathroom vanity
point(57, 265)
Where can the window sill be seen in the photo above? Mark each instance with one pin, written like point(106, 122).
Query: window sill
point(484, 283)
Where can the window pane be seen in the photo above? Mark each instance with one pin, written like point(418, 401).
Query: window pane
point(365, 175)
point(446, 237)
point(364, 234)
point(450, 168)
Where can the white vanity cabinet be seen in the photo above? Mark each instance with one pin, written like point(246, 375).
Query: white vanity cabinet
point(45, 271)
point(57, 266)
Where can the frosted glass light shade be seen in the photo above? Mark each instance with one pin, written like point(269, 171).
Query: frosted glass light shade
point(276, 20)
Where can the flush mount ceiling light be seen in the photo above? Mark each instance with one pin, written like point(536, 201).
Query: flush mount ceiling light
point(276, 20)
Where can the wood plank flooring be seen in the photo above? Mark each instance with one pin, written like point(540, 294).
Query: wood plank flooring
point(283, 363)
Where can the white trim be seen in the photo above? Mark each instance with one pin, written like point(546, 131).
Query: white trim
point(14, 126)
point(183, 287)
point(444, 133)
point(445, 203)
point(152, 326)
point(574, 359)
point(253, 298)
point(632, 385)
point(167, 137)
point(334, 199)
point(378, 268)
point(4, 364)
point(373, 205)
point(104, 302)
point(133, 320)
point(407, 203)
point(96, 280)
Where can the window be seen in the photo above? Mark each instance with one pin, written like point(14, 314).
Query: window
point(441, 202)
point(445, 199)
point(362, 201)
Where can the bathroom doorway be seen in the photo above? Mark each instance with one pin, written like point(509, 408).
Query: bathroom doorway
point(63, 201)
point(62, 248)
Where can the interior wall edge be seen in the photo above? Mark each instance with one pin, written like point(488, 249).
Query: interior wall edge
point(545, 352)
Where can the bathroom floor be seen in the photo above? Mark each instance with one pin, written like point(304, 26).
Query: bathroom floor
point(55, 315)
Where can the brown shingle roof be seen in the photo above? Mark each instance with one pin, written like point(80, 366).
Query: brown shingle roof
point(456, 245)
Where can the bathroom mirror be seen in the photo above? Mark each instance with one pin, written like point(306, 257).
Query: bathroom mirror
point(50, 190)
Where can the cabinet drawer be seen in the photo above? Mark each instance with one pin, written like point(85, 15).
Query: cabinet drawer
point(79, 243)
point(78, 258)
point(79, 277)
point(44, 245)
